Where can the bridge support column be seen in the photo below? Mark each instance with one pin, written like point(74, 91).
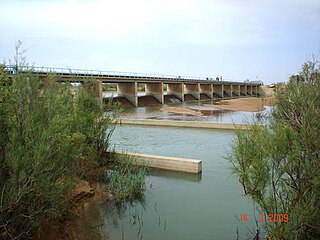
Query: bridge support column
point(217, 91)
point(235, 90)
point(249, 89)
point(129, 91)
point(176, 89)
point(192, 89)
point(227, 91)
point(254, 90)
point(206, 89)
point(243, 90)
point(96, 88)
point(259, 91)
point(155, 90)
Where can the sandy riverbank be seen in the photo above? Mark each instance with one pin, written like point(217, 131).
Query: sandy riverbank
point(252, 104)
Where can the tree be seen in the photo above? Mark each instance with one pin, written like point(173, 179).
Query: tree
point(278, 165)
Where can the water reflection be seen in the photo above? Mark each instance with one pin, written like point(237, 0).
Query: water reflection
point(179, 205)
point(176, 175)
point(127, 220)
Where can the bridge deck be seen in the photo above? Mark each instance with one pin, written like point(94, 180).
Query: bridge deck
point(76, 75)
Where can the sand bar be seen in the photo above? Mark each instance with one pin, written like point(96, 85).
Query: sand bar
point(252, 104)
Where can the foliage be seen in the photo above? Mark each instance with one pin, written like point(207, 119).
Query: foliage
point(48, 136)
point(126, 180)
point(279, 166)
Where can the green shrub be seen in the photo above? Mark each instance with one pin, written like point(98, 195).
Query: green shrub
point(279, 166)
point(126, 180)
point(48, 136)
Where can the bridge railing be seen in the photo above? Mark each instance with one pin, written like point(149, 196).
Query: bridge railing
point(99, 73)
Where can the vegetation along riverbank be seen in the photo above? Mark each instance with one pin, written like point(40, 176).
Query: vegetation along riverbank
point(279, 167)
point(52, 138)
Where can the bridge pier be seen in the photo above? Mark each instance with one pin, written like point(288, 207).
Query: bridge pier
point(192, 89)
point(206, 89)
point(217, 91)
point(227, 90)
point(176, 89)
point(249, 90)
point(155, 90)
point(243, 90)
point(235, 90)
point(129, 91)
point(97, 88)
point(254, 90)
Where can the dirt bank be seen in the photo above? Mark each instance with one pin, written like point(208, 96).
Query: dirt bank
point(69, 227)
point(251, 104)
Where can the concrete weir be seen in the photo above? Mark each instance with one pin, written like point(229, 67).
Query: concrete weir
point(176, 89)
point(163, 162)
point(227, 90)
point(206, 89)
point(155, 90)
point(243, 90)
point(188, 124)
point(218, 91)
point(192, 89)
point(236, 90)
point(129, 91)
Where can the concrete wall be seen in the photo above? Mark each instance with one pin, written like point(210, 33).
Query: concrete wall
point(176, 89)
point(188, 124)
point(129, 91)
point(193, 89)
point(155, 90)
point(163, 162)
point(180, 90)
point(206, 89)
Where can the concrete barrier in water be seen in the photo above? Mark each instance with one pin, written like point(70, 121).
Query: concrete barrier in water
point(189, 124)
point(163, 162)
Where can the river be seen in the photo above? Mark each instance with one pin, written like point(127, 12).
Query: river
point(179, 205)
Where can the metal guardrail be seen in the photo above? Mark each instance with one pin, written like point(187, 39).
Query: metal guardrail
point(98, 73)
point(107, 74)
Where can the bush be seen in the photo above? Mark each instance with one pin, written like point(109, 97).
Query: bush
point(279, 166)
point(48, 136)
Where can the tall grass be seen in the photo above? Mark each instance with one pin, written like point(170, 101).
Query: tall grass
point(126, 180)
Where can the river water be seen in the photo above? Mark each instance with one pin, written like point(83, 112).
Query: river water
point(208, 113)
point(179, 205)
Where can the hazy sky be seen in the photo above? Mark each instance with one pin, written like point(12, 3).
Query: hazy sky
point(238, 39)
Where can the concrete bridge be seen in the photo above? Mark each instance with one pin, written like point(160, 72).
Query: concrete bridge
point(159, 87)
